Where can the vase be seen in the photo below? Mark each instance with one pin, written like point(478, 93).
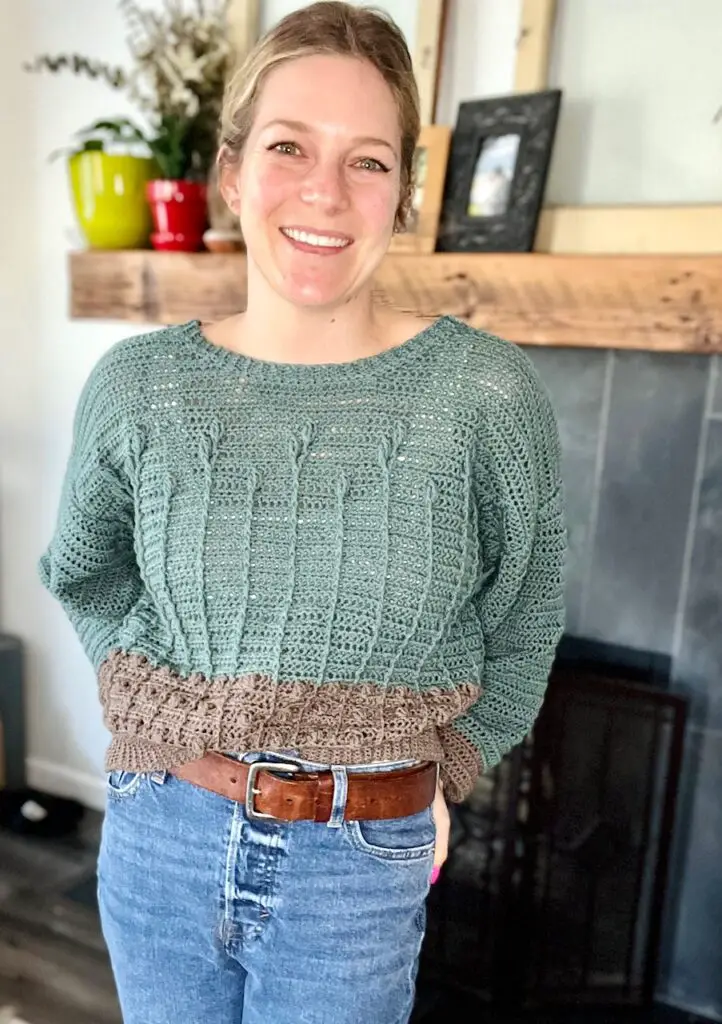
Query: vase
point(180, 214)
point(108, 192)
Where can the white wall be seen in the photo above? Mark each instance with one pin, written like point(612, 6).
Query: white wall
point(642, 81)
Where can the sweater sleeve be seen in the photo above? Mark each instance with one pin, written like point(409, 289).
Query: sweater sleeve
point(89, 564)
point(520, 596)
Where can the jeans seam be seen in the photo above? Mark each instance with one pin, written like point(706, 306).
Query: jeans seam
point(232, 849)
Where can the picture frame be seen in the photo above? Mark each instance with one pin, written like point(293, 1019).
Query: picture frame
point(430, 160)
point(499, 159)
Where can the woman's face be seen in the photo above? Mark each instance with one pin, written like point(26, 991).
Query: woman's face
point(317, 187)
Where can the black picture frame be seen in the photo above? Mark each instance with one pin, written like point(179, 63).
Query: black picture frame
point(532, 117)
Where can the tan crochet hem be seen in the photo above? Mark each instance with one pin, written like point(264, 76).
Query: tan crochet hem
point(160, 720)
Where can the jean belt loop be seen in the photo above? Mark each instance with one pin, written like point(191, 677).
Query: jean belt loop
point(340, 792)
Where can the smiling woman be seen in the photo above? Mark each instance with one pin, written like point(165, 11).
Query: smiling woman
point(314, 551)
point(317, 186)
point(316, 160)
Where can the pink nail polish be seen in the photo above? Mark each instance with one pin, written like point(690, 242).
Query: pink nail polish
point(435, 874)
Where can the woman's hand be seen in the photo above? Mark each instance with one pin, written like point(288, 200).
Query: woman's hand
point(443, 824)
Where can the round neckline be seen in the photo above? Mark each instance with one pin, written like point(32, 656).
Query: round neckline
point(193, 332)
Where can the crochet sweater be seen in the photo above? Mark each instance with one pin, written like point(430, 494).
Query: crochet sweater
point(356, 561)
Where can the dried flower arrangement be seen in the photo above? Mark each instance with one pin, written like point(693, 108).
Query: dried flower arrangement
point(181, 60)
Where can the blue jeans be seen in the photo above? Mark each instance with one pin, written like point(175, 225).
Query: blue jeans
point(211, 918)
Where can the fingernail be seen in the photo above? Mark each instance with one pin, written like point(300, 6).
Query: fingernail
point(435, 874)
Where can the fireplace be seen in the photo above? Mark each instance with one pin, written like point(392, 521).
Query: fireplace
point(554, 887)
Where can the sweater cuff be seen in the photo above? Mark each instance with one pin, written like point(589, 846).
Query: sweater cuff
point(461, 767)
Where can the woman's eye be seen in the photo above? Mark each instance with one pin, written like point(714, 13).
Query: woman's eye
point(369, 164)
point(286, 147)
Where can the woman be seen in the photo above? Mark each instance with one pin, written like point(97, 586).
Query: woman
point(318, 536)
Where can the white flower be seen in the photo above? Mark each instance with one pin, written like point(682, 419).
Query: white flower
point(186, 99)
point(188, 67)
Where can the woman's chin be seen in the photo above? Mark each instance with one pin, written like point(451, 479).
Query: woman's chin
point(314, 298)
point(313, 282)
point(316, 294)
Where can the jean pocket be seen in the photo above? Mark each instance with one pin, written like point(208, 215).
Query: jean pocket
point(121, 785)
point(410, 838)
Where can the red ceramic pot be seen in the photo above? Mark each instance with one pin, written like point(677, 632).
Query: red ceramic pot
point(180, 214)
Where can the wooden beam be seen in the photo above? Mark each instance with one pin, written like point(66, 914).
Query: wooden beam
point(654, 303)
point(670, 230)
point(536, 30)
point(144, 286)
point(427, 54)
point(243, 25)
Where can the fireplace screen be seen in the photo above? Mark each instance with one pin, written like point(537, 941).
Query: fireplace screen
point(554, 886)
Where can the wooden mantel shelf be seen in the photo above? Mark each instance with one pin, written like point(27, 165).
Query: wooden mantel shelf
point(653, 303)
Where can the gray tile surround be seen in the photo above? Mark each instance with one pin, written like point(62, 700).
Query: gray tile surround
point(579, 411)
point(697, 953)
point(698, 668)
point(717, 400)
point(655, 416)
point(644, 511)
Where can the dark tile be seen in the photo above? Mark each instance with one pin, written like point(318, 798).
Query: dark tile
point(650, 454)
point(453, 1007)
point(695, 976)
point(698, 668)
point(717, 400)
point(575, 381)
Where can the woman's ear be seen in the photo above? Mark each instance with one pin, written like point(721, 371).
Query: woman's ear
point(229, 166)
point(221, 214)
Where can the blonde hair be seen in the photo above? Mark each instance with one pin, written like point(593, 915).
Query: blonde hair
point(340, 29)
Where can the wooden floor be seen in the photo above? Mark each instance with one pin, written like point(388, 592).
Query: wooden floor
point(54, 968)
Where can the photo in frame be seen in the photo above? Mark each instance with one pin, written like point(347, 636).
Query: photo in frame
point(430, 161)
point(497, 171)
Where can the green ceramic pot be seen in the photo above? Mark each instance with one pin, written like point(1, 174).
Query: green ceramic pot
point(109, 195)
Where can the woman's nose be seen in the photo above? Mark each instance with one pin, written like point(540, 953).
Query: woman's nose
point(325, 186)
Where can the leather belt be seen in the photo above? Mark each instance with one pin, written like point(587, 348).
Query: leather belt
point(308, 796)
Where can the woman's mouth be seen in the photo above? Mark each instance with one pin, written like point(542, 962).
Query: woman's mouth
point(316, 241)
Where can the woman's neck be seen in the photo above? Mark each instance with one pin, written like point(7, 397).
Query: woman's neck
point(278, 331)
point(286, 333)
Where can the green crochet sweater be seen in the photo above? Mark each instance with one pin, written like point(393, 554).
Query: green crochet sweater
point(356, 562)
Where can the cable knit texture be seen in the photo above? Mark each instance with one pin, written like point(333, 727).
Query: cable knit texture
point(356, 561)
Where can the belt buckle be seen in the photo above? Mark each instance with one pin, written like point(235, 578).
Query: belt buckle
point(254, 768)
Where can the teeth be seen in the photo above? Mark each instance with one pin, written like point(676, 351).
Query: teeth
point(309, 239)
